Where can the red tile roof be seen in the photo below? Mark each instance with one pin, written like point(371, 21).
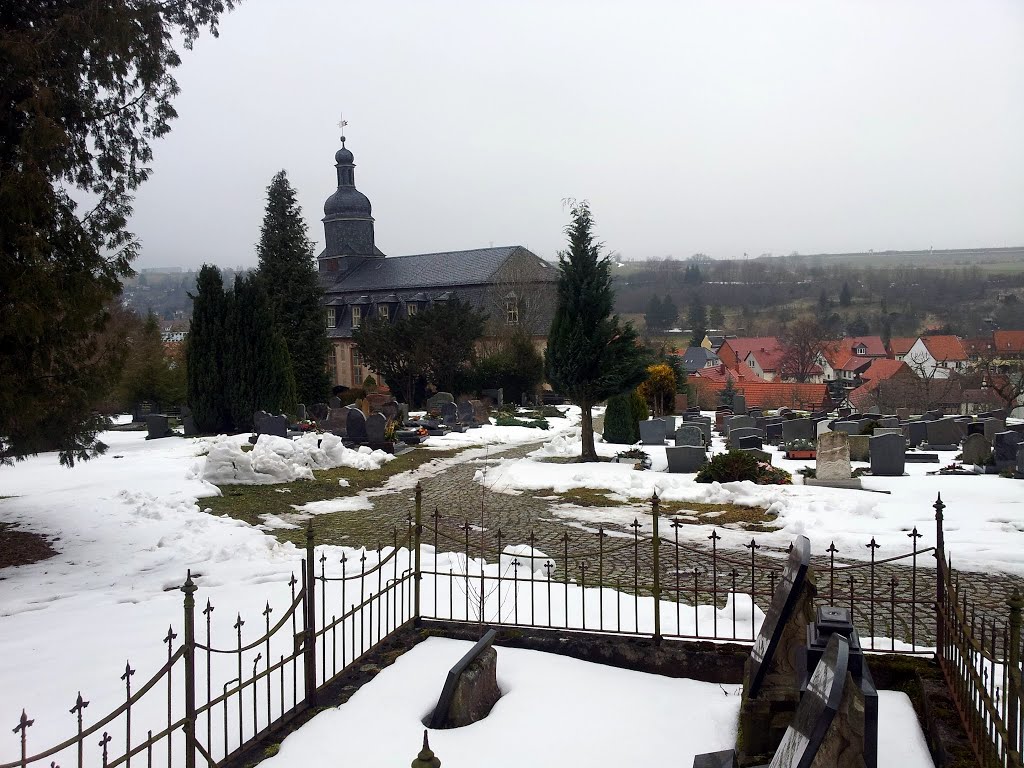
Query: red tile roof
point(720, 373)
point(775, 394)
point(1008, 342)
point(900, 345)
point(883, 368)
point(945, 348)
point(734, 351)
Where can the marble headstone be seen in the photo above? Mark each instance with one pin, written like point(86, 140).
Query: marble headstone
point(833, 457)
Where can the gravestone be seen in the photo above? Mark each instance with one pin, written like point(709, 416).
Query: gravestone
point(496, 396)
point(749, 441)
point(860, 448)
point(888, 422)
point(739, 404)
point(735, 435)
point(741, 422)
point(755, 413)
point(670, 424)
point(822, 428)
point(903, 414)
point(156, 426)
point(188, 422)
point(652, 432)
point(376, 423)
point(689, 435)
point(943, 432)
point(335, 421)
point(798, 429)
point(685, 458)
point(465, 413)
point(921, 458)
point(992, 426)
point(450, 416)
point(888, 455)
point(1020, 461)
point(849, 427)
point(434, 401)
point(771, 673)
point(334, 402)
point(300, 412)
point(888, 431)
point(916, 433)
point(773, 431)
point(355, 425)
point(390, 409)
point(376, 401)
point(932, 416)
point(1004, 449)
point(976, 449)
point(265, 424)
point(833, 457)
point(318, 411)
point(481, 414)
point(471, 688)
point(720, 417)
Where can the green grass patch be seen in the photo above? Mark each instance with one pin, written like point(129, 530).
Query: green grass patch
point(749, 518)
point(248, 502)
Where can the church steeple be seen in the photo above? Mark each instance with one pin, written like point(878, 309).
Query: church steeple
point(348, 223)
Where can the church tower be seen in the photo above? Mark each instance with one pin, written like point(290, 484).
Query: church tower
point(348, 225)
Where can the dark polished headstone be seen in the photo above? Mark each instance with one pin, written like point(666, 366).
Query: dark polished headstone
point(749, 441)
point(376, 424)
point(798, 429)
point(1004, 448)
point(888, 455)
point(917, 433)
point(652, 432)
point(265, 424)
point(737, 434)
point(943, 432)
point(355, 424)
point(156, 426)
point(685, 458)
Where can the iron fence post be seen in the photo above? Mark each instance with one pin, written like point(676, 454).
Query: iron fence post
point(655, 504)
point(309, 619)
point(1016, 604)
point(940, 578)
point(189, 588)
point(417, 564)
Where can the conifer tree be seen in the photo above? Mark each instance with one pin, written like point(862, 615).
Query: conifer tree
point(698, 322)
point(590, 356)
point(728, 393)
point(205, 353)
point(669, 312)
point(654, 314)
point(845, 295)
point(289, 274)
point(620, 424)
point(259, 371)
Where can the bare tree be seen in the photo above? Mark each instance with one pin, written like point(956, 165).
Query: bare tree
point(803, 344)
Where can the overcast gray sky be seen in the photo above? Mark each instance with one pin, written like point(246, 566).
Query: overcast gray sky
point(691, 126)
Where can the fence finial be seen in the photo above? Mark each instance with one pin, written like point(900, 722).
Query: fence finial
point(425, 759)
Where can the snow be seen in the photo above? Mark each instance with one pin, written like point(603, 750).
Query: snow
point(554, 710)
point(506, 436)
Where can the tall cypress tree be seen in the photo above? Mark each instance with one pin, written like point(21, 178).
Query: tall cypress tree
point(289, 273)
point(590, 356)
point(259, 371)
point(205, 354)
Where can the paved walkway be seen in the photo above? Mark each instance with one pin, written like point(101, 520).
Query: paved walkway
point(626, 562)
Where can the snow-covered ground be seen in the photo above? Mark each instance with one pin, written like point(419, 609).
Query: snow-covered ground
point(553, 711)
point(129, 524)
point(984, 515)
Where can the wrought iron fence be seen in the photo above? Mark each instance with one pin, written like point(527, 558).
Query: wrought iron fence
point(980, 657)
point(218, 702)
point(210, 704)
point(662, 586)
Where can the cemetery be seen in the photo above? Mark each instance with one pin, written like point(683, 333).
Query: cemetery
point(436, 575)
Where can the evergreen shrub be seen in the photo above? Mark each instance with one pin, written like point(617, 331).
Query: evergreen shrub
point(620, 424)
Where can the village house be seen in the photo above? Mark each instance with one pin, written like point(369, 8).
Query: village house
point(937, 356)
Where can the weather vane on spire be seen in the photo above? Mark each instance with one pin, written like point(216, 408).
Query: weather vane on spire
point(341, 124)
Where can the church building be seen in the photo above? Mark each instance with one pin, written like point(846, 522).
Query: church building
point(516, 288)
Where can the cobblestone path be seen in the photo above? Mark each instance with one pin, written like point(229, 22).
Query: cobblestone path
point(623, 558)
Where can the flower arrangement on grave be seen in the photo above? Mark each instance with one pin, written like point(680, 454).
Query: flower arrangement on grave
point(738, 465)
point(640, 459)
point(422, 432)
point(801, 444)
point(389, 430)
point(307, 425)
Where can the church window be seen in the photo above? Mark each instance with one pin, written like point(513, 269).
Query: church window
point(330, 317)
point(511, 310)
point(357, 316)
point(357, 366)
point(382, 312)
point(332, 366)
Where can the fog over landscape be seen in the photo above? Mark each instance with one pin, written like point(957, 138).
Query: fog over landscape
point(726, 129)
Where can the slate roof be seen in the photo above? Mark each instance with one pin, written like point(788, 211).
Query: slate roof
point(427, 270)
point(697, 357)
